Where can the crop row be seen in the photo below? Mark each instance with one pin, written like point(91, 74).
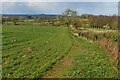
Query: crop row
point(31, 58)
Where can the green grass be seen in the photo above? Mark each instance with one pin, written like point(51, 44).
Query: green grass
point(29, 51)
point(47, 44)
point(92, 61)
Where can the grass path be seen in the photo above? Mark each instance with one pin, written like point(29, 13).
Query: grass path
point(60, 68)
point(85, 60)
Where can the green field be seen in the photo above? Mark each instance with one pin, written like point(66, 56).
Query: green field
point(32, 51)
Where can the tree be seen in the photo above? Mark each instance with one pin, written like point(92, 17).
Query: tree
point(3, 20)
point(61, 19)
point(15, 20)
point(69, 14)
point(75, 22)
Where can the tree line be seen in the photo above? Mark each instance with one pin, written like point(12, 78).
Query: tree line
point(102, 21)
point(67, 18)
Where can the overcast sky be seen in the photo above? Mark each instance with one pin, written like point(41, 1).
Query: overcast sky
point(98, 8)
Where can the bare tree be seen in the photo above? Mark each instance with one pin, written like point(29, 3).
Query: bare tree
point(69, 14)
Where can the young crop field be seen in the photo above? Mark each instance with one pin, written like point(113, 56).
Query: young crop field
point(85, 60)
point(29, 51)
point(52, 51)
